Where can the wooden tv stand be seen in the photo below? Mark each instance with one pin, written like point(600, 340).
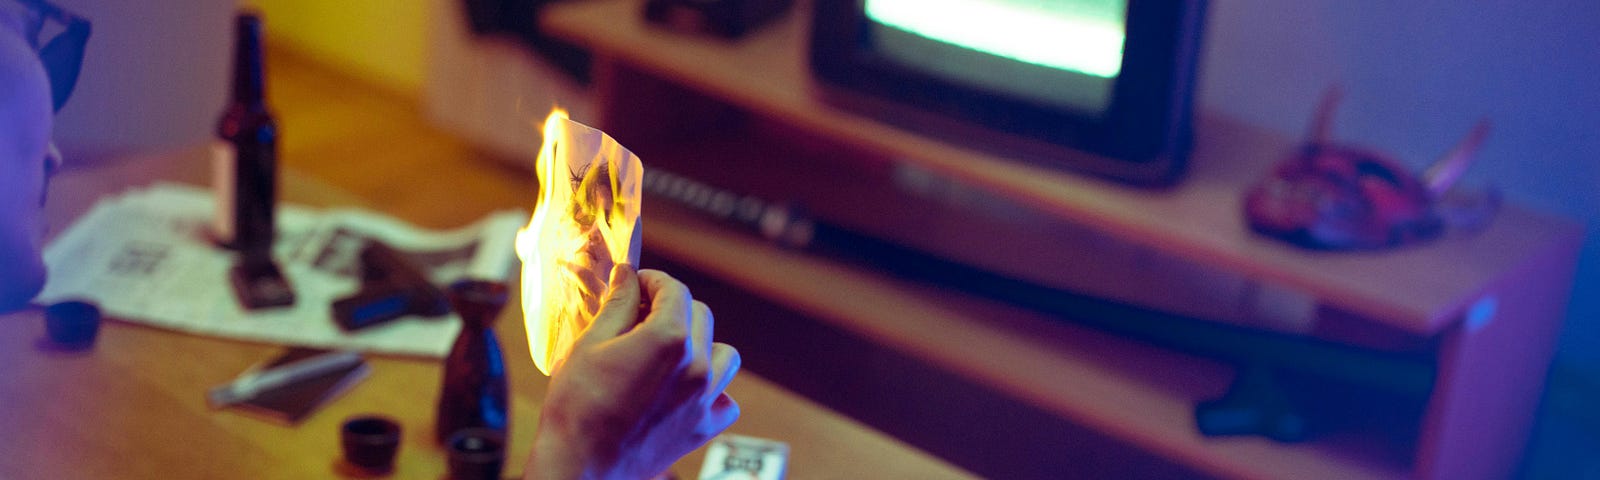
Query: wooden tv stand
point(1487, 307)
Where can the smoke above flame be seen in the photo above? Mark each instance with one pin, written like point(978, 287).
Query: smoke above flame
point(586, 221)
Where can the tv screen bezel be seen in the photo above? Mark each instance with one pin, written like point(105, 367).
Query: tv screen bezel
point(1141, 137)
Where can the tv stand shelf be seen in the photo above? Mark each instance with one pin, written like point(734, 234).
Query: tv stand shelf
point(1516, 275)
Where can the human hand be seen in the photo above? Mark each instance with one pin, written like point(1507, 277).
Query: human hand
point(634, 396)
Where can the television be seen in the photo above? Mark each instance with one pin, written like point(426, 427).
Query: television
point(1098, 86)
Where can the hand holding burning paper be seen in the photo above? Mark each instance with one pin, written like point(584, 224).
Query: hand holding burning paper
point(587, 221)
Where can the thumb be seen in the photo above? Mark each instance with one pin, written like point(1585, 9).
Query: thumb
point(621, 309)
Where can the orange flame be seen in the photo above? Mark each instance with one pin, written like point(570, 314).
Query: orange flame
point(587, 221)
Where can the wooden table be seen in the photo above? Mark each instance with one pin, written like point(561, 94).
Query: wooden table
point(133, 407)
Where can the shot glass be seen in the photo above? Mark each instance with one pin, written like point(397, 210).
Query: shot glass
point(476, 454)
point(370, 442)
point(72, 325)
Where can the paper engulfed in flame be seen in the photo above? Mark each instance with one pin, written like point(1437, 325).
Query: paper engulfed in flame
point(587, 221)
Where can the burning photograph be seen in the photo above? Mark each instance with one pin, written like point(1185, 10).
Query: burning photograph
point(586, 222)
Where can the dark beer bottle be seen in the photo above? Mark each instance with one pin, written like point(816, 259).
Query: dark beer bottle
point(473, 394)
point(245, 158)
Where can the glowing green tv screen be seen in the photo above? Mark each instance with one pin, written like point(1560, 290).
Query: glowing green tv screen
point(1059, 52)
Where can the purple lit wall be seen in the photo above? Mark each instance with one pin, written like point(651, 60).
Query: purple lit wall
point(153, 76)
point(1417, 75)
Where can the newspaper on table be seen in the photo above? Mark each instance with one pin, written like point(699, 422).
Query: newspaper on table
point(145, 256)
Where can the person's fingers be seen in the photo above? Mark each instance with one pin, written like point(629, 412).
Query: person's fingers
point(697, 374)
point(721, 415)
point(670, 308)
point(668, 297)
point(711, 323)
point(621, 309)
point(700, 331)
point(725, 362)
point(712, 419)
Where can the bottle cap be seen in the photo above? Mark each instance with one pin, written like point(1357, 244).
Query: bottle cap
point(72, 325)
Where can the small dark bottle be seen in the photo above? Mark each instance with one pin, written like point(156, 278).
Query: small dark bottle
point(245, 169)
point(245, 161)
point(474, 390)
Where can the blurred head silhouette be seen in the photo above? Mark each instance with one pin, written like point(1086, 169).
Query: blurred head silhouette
point(26, 155)
point(24, 146)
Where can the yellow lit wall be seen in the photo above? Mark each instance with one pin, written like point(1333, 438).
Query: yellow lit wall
point(381, 41)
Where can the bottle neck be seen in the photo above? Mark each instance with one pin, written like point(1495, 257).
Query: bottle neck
point(473, 324)
point(477, 302)
point(249, 69)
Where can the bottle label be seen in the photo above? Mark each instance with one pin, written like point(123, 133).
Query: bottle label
point(224, 165)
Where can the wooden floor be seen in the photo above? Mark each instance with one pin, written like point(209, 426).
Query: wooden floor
point(379, 144)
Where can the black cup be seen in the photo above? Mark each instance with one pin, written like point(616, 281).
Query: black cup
point(72, 325)
point(476, 454)
point(370, 442)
